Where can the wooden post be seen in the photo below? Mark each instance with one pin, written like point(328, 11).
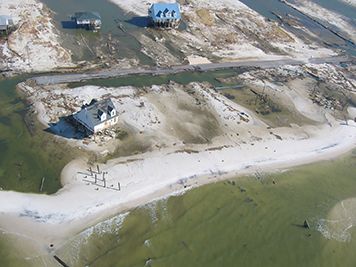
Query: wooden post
point(95, 178)
point(97, 166)
point(119, 186)
point(104, 182)
point(91, 171)
point(42, 182)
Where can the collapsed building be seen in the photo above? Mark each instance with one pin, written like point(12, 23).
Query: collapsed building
point(88, 20)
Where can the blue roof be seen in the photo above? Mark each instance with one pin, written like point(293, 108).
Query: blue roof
point(165, 11)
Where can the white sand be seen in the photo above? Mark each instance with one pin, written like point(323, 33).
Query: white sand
point(349, 2)
point(196, 60)
point(352, 112)
point(35, 45)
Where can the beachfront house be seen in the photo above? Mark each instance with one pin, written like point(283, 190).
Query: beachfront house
point(6, 24)
point(97, 116)
point(88, 20)
point(165, 15)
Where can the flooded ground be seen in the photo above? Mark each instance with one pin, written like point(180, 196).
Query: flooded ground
point(245, 221)
point(116, 25)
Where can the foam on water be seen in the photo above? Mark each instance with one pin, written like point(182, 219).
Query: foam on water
point(335, 229)
point(110, 226)
point(339, 222)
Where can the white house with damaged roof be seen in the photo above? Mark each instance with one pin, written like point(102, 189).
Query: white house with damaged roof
point(97, 116)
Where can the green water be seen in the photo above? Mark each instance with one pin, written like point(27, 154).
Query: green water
point(24, 157)
point(241, 222)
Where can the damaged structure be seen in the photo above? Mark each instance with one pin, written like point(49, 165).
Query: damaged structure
point(6, 24)
point(165, 15)
point(88, 20)
point(97, 116)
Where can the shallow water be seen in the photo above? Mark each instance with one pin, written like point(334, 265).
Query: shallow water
point(26, 157)
point(111, 16)
point(242, 222)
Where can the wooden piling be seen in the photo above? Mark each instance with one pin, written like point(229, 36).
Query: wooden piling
point(306, 224)
point(98, 169)
point(42, 183)
point(119, 186)
point(60, 261)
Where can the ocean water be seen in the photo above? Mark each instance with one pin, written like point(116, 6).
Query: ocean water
point(239, 222)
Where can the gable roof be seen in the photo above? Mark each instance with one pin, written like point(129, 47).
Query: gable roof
point(88, 115)
point(87, 15)
point(159, 10)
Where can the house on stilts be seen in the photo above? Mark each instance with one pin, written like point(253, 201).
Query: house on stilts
point(165, 15)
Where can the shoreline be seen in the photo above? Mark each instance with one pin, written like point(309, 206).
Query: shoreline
point(77, 206)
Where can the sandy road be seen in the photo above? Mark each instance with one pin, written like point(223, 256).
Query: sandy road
point(103, 74)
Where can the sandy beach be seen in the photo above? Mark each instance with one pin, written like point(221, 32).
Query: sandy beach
point(143, 178)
